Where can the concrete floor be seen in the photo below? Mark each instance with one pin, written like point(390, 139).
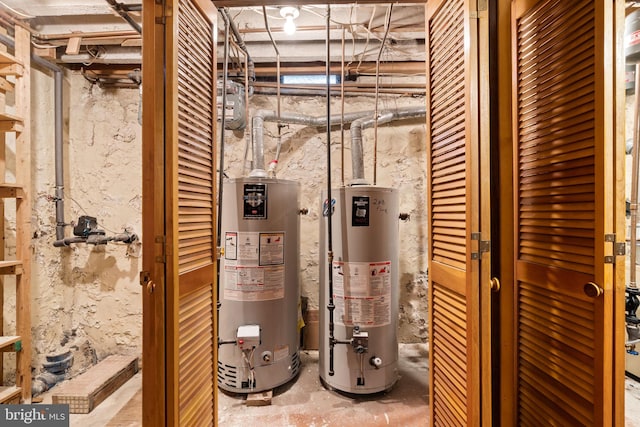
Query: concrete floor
point(306, 403)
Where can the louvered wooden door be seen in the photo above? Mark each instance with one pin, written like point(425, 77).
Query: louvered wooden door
point(565, 207)
point(179, 243)
point(458, 229)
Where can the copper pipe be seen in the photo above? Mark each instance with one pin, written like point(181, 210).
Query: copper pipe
point(13, 21)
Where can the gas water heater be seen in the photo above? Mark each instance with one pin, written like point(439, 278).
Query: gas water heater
point(362, 355)
point(259, 287)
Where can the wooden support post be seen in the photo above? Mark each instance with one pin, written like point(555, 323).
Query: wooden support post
point(23, 214)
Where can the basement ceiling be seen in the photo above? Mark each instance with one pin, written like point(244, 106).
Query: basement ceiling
point(100, 35)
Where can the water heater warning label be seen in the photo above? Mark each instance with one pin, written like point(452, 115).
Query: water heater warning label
point(242, 283)
point(362, 293)
point(254, 266)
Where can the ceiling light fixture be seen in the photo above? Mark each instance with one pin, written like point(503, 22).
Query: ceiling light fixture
point(289, 13)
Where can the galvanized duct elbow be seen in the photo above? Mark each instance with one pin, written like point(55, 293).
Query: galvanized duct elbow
point(261, 116)
point(359, 120)
point(357, 153)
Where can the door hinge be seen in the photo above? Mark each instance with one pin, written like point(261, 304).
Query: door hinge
point(480, 7)
point(163, 241)
point(619, 248)
point(162, 19)
point(484, 246)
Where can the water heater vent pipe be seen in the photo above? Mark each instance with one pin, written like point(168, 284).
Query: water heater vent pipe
point(261, 116)
point(359, 120)
point(386, 116)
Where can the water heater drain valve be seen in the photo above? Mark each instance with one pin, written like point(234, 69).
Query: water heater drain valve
point(360, 340)
point(376, 362)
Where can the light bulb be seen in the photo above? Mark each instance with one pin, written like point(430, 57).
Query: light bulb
point(289, 25)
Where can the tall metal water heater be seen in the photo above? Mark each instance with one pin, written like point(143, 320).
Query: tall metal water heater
point(259, 287)
point(365, 290)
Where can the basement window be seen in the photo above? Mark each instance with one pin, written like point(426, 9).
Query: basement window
point(309, 79)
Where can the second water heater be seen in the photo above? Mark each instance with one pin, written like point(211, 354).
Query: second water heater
point(364, 273)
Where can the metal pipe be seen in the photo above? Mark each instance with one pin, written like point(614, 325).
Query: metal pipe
point(361, 120)
point(221, 164)
point(132, 7)
point(386, 116)
point(272, 165)
point(267, 89)
point(303, 119)
point(331, 306)
point(410, 68)
point(124, 14)
point(58, 135)
point(635, 169)
point(342, 109)
point(247, 128)
point(261, 116)
point(375, 115)
point(96, 239)
point(59, 156)
point(240, 41)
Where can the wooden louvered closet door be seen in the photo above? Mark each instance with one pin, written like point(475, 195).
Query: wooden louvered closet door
point(179, 178)
point(460, 386)
point(564, 191)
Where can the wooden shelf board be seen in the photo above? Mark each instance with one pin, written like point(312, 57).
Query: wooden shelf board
point(8, 343)
point(10, 123)
point(11, 267)
point(10, 66)
point(6, 85)
point(10, 394)
point(7, 58)
point(11, 191)
point(11, 70)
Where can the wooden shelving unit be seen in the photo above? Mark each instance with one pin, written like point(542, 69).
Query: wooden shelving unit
point(15, 77)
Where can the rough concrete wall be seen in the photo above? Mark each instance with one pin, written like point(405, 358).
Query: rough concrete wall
point(401, 164)
point(85, 291)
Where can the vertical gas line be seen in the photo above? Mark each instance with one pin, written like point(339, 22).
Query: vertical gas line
point(342, 108)
point(331, 307)
point(375, 114)
point(274, 163)
point(635, 155)
point(225, 70)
